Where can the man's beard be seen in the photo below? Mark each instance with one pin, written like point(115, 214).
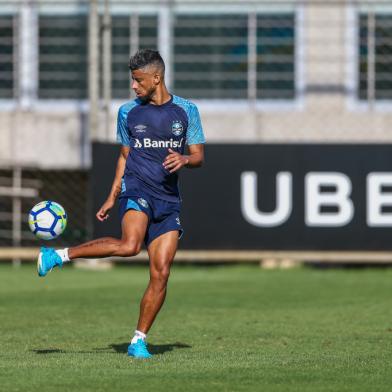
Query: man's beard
point(147, 98)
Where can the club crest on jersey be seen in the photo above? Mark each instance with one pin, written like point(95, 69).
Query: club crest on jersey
point(177, 128)
point(142, 202)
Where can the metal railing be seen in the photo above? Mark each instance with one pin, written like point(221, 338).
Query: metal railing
point(21, 188)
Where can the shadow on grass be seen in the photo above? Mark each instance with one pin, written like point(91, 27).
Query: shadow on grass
point(154, 349)
point(58, 351)
point(49, 351)
point(116, 348)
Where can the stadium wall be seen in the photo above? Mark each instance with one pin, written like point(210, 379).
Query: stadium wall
point(325, 107)
point(261, 72)
point(275, 197)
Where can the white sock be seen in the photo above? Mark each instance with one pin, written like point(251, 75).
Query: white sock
point(138, 335)
point(63, 253)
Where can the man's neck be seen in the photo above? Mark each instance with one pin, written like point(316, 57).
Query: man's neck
point(160, 97)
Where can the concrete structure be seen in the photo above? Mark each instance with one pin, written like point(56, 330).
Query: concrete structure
point(326, 107)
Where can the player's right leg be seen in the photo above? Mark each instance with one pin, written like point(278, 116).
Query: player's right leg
point(134, 225)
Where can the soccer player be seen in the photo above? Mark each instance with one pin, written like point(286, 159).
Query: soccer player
point(153, 130)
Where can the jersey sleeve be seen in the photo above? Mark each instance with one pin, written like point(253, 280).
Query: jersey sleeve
point(194, 134)
point(122, 127)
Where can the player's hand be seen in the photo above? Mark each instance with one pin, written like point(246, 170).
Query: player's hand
point(174, 161)
point(103, 212)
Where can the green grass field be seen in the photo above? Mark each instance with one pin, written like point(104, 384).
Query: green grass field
point(222, 329)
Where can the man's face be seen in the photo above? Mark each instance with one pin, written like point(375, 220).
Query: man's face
point(144, 83)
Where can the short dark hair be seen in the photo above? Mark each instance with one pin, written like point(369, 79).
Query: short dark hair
point(147, 57)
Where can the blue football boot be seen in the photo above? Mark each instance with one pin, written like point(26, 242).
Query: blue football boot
point(47, 260)
point(138, 349)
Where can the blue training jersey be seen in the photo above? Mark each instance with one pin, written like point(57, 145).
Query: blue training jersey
point(150, 130)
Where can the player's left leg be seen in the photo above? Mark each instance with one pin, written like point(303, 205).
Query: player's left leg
point(161, 252)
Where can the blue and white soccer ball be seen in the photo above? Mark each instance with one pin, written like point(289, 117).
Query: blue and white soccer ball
point(47, 220)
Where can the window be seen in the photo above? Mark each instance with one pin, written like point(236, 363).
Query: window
point(63, 54)
point(63, 57)
point(211, 56)
point(121, 48)
point(382, 57)
point(6, 57)
point(275, 56)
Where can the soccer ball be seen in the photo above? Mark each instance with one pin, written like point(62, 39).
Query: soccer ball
point(47, 220)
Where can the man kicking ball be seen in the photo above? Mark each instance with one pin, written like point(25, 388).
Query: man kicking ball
point(153, 130)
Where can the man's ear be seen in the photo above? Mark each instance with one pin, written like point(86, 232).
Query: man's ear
point(157, 78)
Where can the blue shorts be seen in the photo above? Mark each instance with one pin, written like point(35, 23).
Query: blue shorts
point(163, 216)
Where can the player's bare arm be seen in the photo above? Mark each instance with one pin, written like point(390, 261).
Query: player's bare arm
point(103, 212)
point(175, 161)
